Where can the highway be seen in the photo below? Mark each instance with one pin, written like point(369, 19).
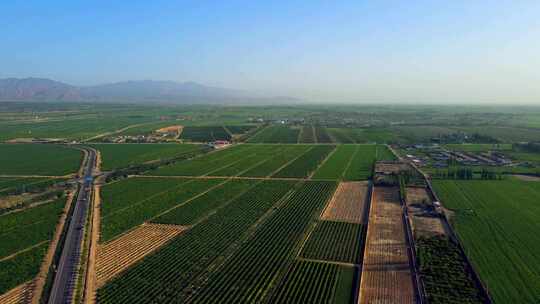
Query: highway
point(63, 287)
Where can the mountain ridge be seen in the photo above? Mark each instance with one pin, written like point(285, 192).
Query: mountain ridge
point(136, 91)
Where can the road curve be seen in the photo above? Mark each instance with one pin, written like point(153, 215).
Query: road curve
point(62, 290)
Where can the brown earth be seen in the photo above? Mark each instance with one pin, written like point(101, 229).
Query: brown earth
point(424, 221)
point(121, 253)
point(178, 129)
point(347, 203)
point(386, 273)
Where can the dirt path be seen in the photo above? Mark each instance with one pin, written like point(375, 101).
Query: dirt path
point(327, 262)
point(22, 251)
point(289, 162)
point(322, 163)
point(116, 131)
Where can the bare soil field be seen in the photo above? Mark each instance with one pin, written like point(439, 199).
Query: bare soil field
point(424, 221)
point(386, 273)
point(348, 203)
point(119, 254)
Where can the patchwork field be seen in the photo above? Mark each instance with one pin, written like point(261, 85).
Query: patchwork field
point(116, 156)
point(130, 202)
point(172, 270)
point(38, 159)
point(121, 253)
point(497, 222)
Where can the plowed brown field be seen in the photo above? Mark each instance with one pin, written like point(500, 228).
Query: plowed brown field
point(18, 295)
point(119, 254)
point(386, 273)
point(348, 203)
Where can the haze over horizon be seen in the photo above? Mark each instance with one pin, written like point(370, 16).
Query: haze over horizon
point(351, 51)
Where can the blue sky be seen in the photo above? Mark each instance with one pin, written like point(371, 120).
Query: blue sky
point(358, 51)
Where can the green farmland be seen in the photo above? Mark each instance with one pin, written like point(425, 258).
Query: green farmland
point(24, 238)
point(497, 222)
point(38, 159)
point(131, 202)
point(116, 156)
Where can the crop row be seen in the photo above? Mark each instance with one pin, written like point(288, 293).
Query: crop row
point(276, 134)
point(163, 276)
point(240, 129)
point(279, 158)
point(249, 274)
point(337, 163)
point(322, 136)
point(122, 155)
point(307, 163)
point(248, 161)
point(10, 185)
point(38, 159)
point(20, 230)
point(444, 272)
point(309, 282)
point(139, 211)
point(507, 211)
point(206, 163)
point(205, 134)
point(203, 205)
point(21, 268)
point(334, 241)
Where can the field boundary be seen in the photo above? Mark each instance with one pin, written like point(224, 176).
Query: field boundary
point(289, 162)
point(322, 163)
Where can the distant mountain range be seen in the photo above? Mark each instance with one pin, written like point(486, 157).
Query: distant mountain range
point(40, 89)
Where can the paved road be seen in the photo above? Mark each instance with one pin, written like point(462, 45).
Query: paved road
point(66, 275)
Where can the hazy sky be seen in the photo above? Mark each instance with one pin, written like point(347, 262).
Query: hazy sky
point(365, 51)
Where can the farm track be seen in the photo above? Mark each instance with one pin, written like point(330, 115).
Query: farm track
point(119, 254)
point(327, 262)
point(116, 131)
point(7, 257)
point(322, 163)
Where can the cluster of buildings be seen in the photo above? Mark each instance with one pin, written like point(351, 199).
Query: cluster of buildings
point(440, 157)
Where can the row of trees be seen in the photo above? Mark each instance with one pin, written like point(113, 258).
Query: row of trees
point(465, 173)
